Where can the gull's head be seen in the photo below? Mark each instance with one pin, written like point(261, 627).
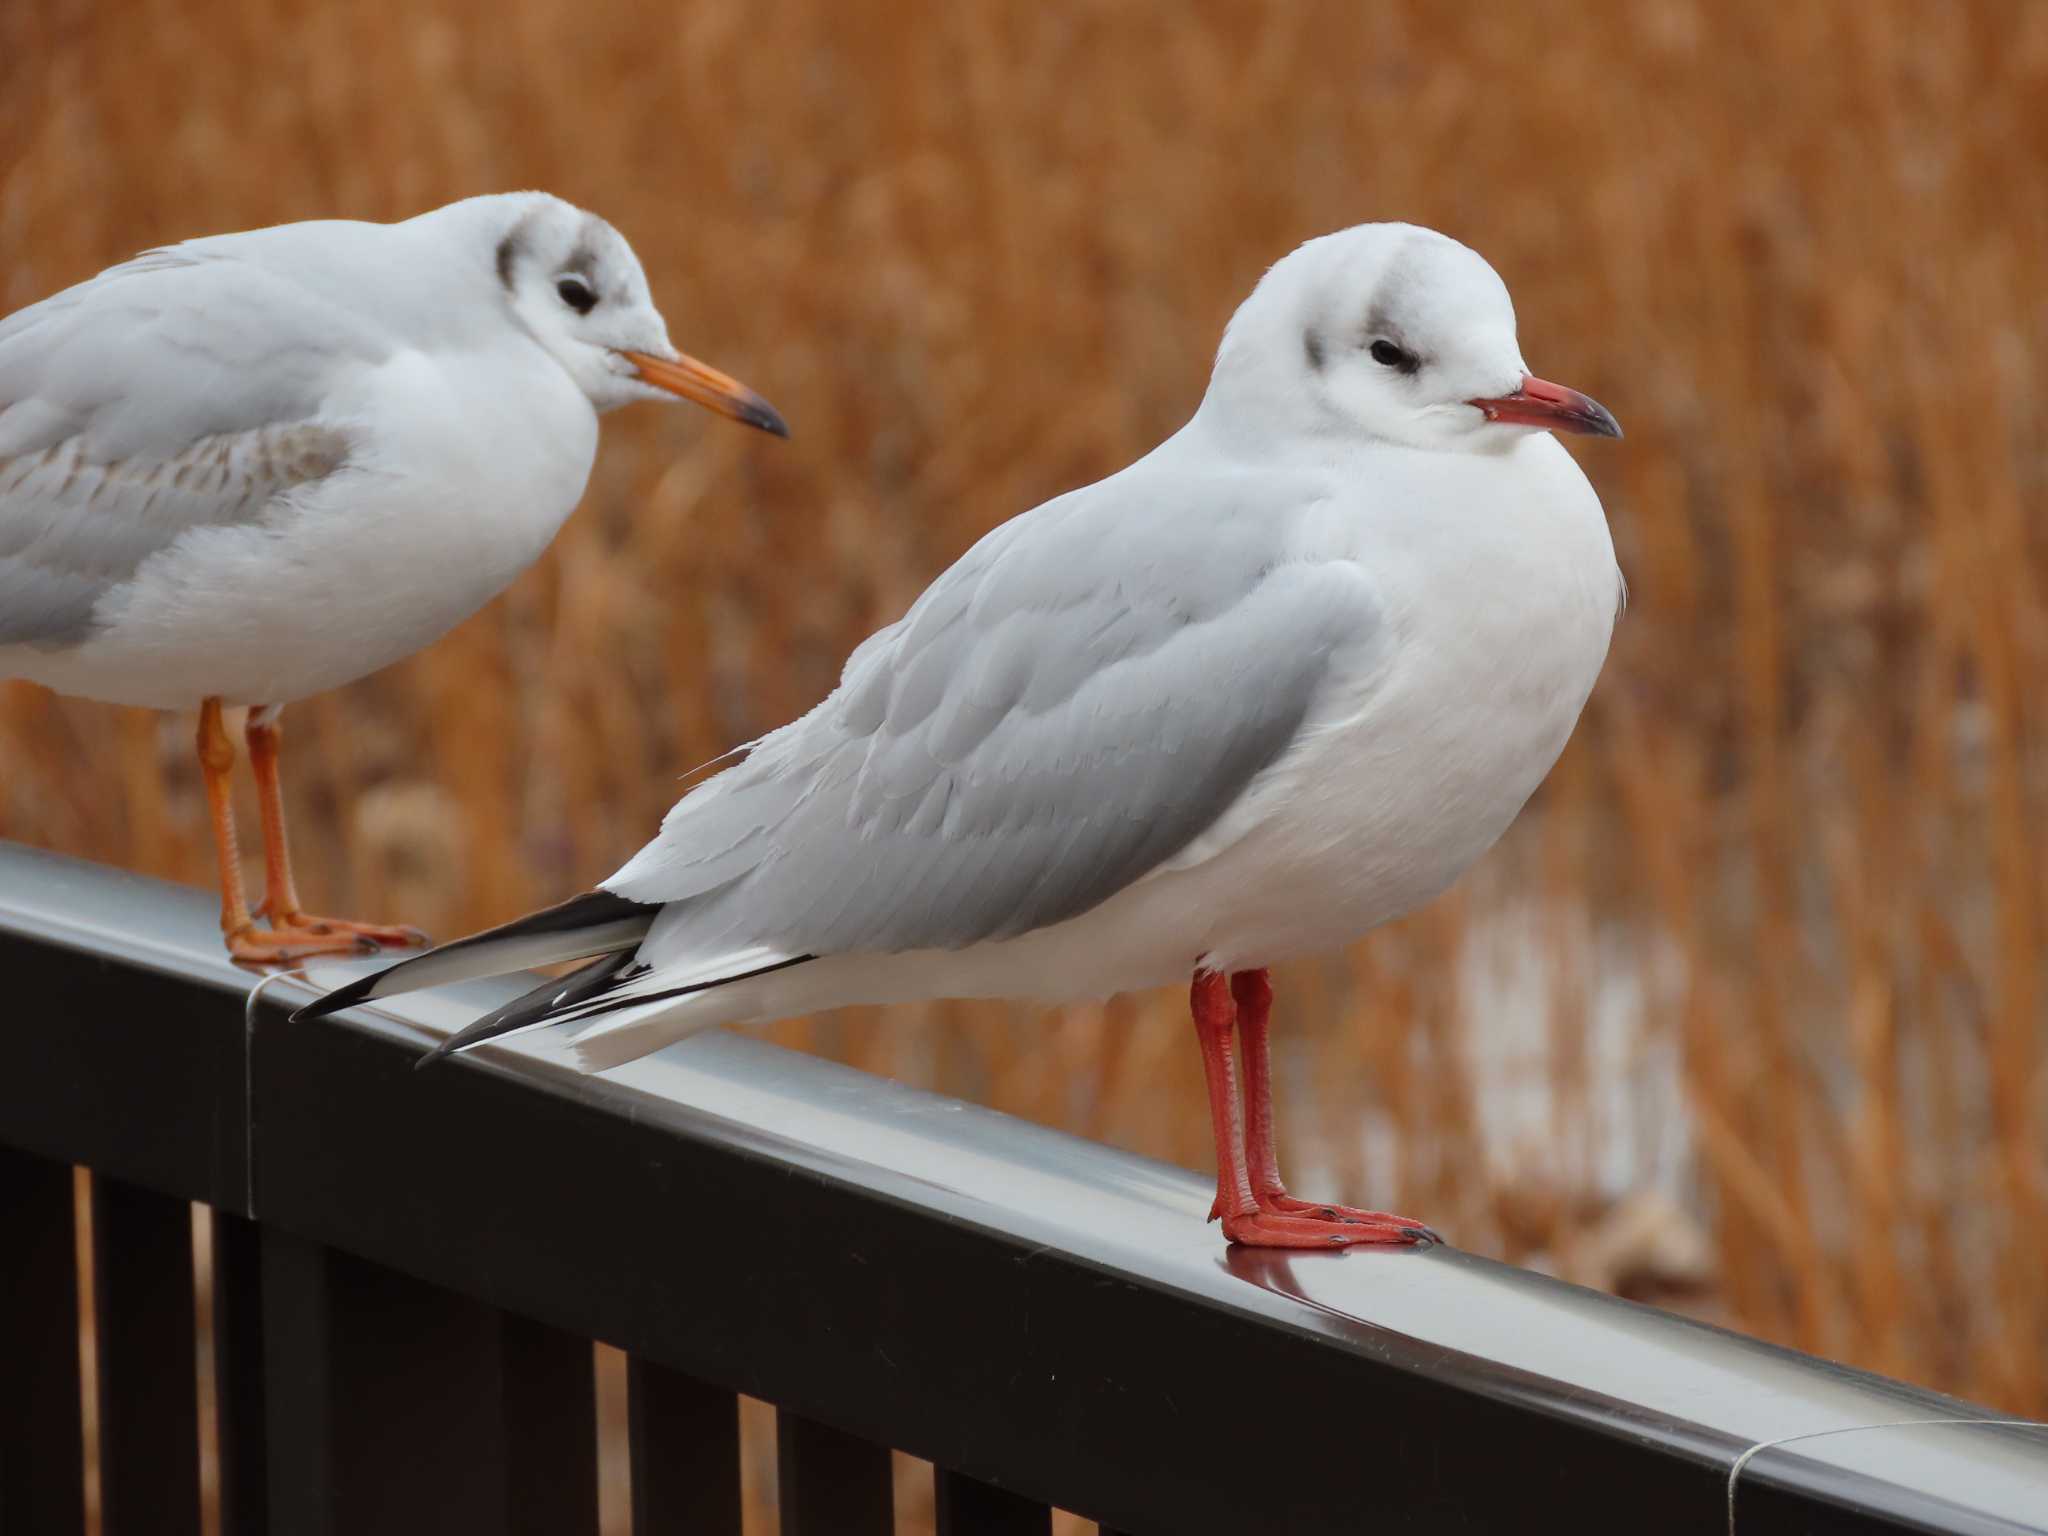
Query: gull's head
point(575, 284)
point(1394, 333)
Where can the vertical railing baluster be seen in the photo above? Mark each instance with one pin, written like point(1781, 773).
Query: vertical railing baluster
point(548, 1395)
point(396, 1407)
point(299, 1441)
point(685, 1441)
point(147, 1341)
point(831, 1483)
point(238, 1374)
point(968, 1507)
point(42, 1431)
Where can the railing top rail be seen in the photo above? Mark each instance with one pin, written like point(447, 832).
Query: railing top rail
point(1039, 1311)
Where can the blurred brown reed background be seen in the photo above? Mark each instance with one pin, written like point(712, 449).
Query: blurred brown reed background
point(1747, 1012)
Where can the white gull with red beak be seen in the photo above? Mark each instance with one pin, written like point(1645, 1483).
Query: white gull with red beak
point(253, 467)
point(1281, 680)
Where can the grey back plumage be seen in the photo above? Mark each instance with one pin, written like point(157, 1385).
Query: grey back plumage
point(1069, 706)
point(175, 391)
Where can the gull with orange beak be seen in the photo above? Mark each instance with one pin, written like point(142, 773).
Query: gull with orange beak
point(252, 467)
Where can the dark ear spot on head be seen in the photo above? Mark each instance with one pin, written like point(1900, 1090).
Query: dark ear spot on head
point(584, 257)
point(508, 255)
point(1312, 346)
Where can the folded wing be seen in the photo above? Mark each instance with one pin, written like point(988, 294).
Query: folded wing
point(1068, 707)
point(179, 390)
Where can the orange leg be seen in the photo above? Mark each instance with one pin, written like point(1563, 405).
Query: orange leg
point(266, 741)
point(246, 942)
point(1255, 1209)
point(290, 924)
point(217, 764)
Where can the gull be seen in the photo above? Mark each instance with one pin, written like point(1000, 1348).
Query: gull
point(252, 467)
point(1278, 682)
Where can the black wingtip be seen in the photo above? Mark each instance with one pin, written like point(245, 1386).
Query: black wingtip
point(533, 1006)
point(340, 998)
point(578, 913)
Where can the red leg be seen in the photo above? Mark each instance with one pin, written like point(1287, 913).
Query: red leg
point(1215, 1020)
point(1244, 1221)
point(1253, 992)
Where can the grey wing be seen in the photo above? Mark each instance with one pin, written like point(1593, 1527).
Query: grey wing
point(1067, 708)
point(175, 391)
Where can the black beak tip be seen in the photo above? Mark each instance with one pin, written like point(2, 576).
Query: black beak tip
point(1601, 421)
point(759, 413)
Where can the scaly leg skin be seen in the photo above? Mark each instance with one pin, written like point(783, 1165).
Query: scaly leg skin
point(247, 944)
point(291, 926)
point(1250, 1003)
point(1245, 1220)
point(217, 765)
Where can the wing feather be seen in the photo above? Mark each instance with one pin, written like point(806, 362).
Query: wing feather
point(1063, 711)
point(180, 390)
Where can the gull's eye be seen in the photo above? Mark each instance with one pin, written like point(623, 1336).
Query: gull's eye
point(1388, 355)
point(576, 293)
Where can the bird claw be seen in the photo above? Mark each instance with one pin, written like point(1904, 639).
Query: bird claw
point(1270, 1229)
point(1287, 1205)
point(301, 936)
point(287, 946)
point(381, 935)
point(1279, 1203)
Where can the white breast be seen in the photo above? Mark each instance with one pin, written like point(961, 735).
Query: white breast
point(1500, 593)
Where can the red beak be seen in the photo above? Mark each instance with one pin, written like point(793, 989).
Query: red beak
point(1540, 403)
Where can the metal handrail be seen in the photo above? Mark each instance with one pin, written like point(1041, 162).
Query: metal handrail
point(1033, 1311)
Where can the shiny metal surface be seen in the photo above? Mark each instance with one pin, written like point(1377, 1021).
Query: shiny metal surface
point(1436, 1343)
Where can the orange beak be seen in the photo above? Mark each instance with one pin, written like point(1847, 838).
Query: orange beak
point(709, 388)
point(1540, 403)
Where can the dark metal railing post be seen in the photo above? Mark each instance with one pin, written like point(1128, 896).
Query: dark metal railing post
point(685, 1441)
point(42, 1430)
point(968, 1507)
point(238, 1374)
point(397, 1407)
point(147, 1338)
point(300, 1448)
point(547, 1396)
point(831, 1483)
